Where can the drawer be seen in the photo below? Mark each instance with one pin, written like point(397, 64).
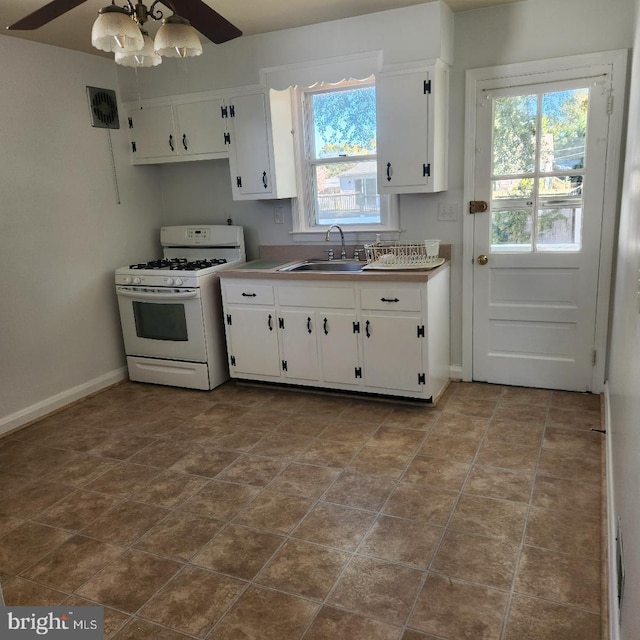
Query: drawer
point(392, 299)
point(324, 297)
point(249, 293)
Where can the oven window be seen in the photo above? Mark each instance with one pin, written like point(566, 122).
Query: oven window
point(157, 321)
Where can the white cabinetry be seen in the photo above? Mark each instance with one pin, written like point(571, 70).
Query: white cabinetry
point(261, 155)
point(180, 131)
point(375, 337)
point(412, 122)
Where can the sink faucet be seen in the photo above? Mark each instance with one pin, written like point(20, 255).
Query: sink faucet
point(343, 252)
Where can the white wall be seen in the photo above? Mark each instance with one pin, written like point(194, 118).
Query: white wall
point(529, 30)
point(624, 378)
point(62, 232)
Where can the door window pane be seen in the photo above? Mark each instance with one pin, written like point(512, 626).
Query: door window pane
point(514, 134)
point(559, 229)
point(564, 130)
point(509, 189)
point(511, 230)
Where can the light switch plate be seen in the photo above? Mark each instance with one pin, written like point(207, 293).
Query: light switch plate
point(447, 211)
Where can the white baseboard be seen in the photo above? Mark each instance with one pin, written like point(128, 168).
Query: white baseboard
point(48, 405)
point(455, 372)
point(612, 587)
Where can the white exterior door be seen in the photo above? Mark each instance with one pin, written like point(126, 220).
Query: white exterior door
point(540, 165)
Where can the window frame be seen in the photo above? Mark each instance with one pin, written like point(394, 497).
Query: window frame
point(303, 207)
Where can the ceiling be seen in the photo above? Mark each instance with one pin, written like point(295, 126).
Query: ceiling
point(73, 29)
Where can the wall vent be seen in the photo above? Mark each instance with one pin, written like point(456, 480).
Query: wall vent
point(103, 107)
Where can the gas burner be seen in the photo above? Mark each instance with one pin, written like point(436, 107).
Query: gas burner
point(162, 263)
point(195, 265)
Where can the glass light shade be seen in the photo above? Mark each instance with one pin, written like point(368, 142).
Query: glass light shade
point(176, 38)
point(145, 57)
point(115, 30)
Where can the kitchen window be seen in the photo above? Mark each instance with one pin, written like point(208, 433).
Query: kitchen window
point(338, 167)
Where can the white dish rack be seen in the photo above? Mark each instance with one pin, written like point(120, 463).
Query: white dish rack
point(402, 255)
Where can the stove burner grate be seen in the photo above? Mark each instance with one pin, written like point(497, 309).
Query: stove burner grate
point(179, 264)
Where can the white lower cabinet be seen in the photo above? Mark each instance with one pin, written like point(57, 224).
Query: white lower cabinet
point(372, 337)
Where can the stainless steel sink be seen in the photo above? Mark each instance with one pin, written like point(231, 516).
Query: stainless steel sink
point(326, 266)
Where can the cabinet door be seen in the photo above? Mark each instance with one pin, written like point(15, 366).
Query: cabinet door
point(338, 347)
point(152, 132)
point(298, 333)
point(200, 128)
point(249, 149)
point(412, 122)
point(393, 352)
point(253, 341)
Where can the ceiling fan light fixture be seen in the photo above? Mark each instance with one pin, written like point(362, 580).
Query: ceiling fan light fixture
point(115, 30)
point(176, 38)
point(145, 57)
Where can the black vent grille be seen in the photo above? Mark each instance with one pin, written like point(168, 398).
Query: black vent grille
point(103, 107)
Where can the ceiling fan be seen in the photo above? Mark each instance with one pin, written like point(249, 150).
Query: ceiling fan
point(202, 17)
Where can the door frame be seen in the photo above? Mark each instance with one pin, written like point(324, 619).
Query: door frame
point(617, 60)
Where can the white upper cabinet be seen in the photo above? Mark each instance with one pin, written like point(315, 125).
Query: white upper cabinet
point(261, 154)
point(412, 123)
point(180, 131)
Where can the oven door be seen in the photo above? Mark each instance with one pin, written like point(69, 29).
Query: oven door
point(162, 323)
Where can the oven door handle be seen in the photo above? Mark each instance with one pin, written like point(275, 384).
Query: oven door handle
point(157, 295)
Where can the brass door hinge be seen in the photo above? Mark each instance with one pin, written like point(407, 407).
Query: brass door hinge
point(478, 206)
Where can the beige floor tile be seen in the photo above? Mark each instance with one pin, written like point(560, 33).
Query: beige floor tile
point(253, 470)
point(449, 447)
point(408, 542)
point(528, 434)
point(453, 609)
point(533, 619)
point(342, 625)
point(421, 503)
point(169, 489)
point(522, 413)
point(444, 474)
point(238, 551)
point(205, 461)
point(304, 569)
point(193, 601)
point(355, 489)
point(378, 589)
point(26, 544)
point(266, 614)
point(376, 461)
point(335, 525)
point(451, 424)
point(488, 561)
point(19, 592)
point(470, 406)
point(566, 494)
point(396, 440)
point(561, 463)
point(499, 483)
point(275, 512)
point(220, 500)
point(304, 480)
point(330, 453)
point(507, 456)
point(573, 419)
point(490, 517)
point(560, 578)
point(142, 630)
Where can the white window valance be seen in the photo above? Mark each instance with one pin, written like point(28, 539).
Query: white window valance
point(330, 70)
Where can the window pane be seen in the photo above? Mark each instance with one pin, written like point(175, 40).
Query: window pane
point(511, 230)
point(346, 192)
point(514, 135)
point(564, 129)
point(508, 189)
point(559, 229)
point(344, 122)
point(560, 187)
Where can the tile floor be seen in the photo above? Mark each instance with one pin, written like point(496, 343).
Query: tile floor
point(271, 514)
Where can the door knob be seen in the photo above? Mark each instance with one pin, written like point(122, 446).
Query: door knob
point(482, 259)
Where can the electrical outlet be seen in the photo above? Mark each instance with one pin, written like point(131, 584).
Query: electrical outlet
point(277, 215)
point(447, 211)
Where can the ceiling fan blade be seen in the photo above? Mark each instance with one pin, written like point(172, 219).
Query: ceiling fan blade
point(45, 14)
point(207, 21)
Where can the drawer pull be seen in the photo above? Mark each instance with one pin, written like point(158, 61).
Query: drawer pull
point(366, 329)
point(309, 325)
point(389, 300)
point(325, 327)
point(249, 295)
point(270, 323)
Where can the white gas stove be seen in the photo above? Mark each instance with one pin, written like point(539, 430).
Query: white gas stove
point(170, 308)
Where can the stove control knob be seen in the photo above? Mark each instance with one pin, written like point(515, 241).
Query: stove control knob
point(128, 280)
point(178, 281)
point(136, 280)
point(169, 281)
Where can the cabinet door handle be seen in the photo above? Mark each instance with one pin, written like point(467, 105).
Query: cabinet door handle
point(264, 179)
point(270, 323)
point(389, 172)
point(325, 327)
point(171, 142)
point(184, 141)
point(309, 325)
point(249, 295)
point(389, 300)
point(366, 329)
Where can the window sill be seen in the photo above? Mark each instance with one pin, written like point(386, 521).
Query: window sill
point(356, 236)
